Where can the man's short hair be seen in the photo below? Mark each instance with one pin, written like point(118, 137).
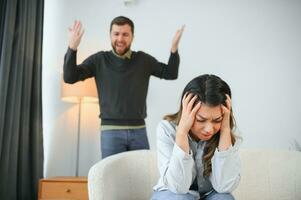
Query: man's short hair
point(121, 20)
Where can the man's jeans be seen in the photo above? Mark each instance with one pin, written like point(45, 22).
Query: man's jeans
point(117, 141)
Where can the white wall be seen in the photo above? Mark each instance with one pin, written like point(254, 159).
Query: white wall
point(253, 45)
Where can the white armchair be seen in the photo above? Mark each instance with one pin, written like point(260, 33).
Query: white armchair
point(125, 176)
point(266, 174)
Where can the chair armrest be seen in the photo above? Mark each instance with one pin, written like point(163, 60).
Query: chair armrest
point(128, 175)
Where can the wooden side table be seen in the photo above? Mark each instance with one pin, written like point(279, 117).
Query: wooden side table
point(63, 188)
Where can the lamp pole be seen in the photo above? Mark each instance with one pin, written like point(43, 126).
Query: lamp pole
point(78, 136)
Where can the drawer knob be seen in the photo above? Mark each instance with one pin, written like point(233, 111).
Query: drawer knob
point(68, 190)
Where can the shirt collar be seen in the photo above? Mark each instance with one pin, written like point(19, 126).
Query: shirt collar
point(128, 54)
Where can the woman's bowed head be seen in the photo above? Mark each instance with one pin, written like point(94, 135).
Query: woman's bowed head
point(205, 114)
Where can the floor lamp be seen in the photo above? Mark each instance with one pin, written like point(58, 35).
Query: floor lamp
point(80, 92)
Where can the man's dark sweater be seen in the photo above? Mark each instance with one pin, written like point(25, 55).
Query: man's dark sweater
point(122, 84)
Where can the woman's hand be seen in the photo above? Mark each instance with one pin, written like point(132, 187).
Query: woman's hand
point(186, 121)
point(188, 112)
point(225, 126)
point(225, 132)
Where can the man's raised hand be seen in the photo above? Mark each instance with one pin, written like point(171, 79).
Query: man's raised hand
point(176, 39)
point(75, 34)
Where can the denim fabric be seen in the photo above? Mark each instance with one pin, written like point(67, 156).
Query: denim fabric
point(117, 141)
point(219, 196)
point(168, 195)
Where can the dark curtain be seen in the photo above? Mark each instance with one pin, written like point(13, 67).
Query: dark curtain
point(21, 141)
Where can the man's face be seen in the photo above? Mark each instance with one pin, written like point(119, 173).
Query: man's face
point(121, 38)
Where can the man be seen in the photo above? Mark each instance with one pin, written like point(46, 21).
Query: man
point(122, 78)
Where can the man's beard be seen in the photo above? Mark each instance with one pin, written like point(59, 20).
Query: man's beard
point(122, 53)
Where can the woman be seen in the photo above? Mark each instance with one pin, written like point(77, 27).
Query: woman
point(197, 149)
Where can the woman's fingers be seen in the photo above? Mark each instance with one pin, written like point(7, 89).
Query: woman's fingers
point(228, 102)
point(186, 99)
point(188, 111)
point(226, 111)
point(191, 102)
point(196, 108)
point(226, 114)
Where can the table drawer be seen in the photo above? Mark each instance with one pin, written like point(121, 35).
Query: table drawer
point(63, 190)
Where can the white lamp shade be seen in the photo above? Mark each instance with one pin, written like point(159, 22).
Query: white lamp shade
point(84, 91)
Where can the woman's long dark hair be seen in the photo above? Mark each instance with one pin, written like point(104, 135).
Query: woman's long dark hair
point(211, 90)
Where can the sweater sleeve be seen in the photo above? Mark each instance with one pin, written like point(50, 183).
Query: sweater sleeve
point(167, 71)
point(74, 72)
point(226, 166)
point(175, 166)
